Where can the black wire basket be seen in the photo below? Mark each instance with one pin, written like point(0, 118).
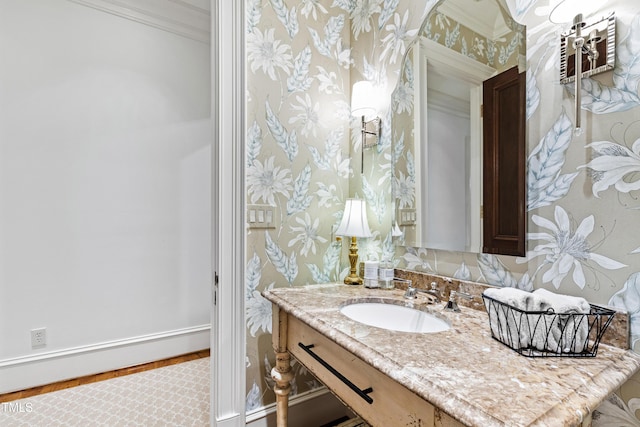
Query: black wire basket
point(546, 333)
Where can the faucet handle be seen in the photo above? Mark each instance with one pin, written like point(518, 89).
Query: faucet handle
point(411, 292)
point(452, 305)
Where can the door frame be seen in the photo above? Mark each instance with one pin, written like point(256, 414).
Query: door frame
point(432, 57)
point(228, 332)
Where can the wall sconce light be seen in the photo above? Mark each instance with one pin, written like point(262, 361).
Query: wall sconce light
point(363, 103)
point(596, 52)
point(354, 224)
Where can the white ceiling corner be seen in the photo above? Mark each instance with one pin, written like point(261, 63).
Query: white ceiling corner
point(482, 16)
point(187, 18)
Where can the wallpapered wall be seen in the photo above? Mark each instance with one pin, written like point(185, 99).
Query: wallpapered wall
point(582, 191)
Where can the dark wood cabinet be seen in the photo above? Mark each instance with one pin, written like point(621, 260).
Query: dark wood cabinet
point(504, 169)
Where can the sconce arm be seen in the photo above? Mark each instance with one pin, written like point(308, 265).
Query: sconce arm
point(578, 44)
point(364, 132)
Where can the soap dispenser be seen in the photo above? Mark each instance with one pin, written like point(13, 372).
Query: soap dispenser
point(371, 274)
point(386, 274)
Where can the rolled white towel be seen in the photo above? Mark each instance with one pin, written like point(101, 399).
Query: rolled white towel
point(570, 329)
point(541, 339)
point(512, 327)
point(564, 304)
point(523, 300)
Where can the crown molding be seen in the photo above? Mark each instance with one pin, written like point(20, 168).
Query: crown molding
point(448, 62)
point(484, 20)
point(187, 18)
point(447, 104)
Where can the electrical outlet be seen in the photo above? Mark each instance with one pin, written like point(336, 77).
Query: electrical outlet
point(38, 337)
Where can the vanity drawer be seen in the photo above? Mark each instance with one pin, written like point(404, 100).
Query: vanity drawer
point(391, 404)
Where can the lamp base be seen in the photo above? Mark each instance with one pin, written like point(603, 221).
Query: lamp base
point(353, 278)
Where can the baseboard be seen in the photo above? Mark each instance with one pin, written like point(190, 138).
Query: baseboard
point(45, 368)
point(309, 409)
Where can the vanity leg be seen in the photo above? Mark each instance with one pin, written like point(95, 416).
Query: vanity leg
point(282, 375)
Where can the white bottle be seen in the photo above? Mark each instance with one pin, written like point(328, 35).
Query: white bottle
point(371, 274)
point(385, 274)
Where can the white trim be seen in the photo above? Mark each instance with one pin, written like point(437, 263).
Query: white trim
point(183, 17)
point(228, 338)
point(102, 346)
point(24, 372)
point(448, 62)
point(316, 406)
point(297, 399)
point(447, 104)
point(203, 6)
point(431, 57)
point(482, 23)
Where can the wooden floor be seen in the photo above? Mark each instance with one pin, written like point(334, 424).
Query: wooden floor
point(7, 397)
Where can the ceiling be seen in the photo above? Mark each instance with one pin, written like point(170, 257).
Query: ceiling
point(483, 16)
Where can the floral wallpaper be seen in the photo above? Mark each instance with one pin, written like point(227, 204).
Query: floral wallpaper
point(298, 160)
point(303, 157)
point(501, 53)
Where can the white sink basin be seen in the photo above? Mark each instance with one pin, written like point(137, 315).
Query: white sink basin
point(394, 317)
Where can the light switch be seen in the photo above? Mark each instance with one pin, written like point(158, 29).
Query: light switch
point(261, 216)
point(407, 216)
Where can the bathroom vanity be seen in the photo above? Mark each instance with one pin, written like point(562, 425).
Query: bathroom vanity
point(457, 377)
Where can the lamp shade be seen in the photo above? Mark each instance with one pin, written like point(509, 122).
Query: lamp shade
point(395, 231)
point(363, 100)
point(354, 220)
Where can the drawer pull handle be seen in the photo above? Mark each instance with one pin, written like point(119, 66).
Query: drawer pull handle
point(362, 393)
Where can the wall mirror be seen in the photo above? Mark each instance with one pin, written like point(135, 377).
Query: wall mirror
point(438, 137)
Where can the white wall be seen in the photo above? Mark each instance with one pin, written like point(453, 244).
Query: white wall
point(447, 193)
point(104, 191)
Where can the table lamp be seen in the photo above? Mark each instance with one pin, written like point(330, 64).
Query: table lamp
point(354, 224)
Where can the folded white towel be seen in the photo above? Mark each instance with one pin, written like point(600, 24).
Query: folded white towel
point(523, 300)
point(541, 339)
point(563, 329)
point(564, 304)
point(570, 329)
point(510, 326)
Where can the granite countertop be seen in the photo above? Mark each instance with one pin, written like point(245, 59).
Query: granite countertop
point(463, 371)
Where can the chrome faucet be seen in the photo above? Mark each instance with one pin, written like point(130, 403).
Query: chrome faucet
point(405, 281)
point(435, 291)
point(452, 305)
point(412, 292)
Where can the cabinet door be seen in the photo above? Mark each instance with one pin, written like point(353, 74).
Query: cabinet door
point(504, 171)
